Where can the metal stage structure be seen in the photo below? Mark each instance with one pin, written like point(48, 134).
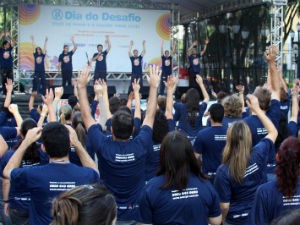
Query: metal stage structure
point(182, 12)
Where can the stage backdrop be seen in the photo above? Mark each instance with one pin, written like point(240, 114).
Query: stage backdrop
point(89, 26)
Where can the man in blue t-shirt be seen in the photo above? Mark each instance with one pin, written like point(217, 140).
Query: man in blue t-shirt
point(136, 64)
point(6, 60)
point(194, 60)
point(122, 160)
point(39, 67)
point(100, 58)
point(65, 63)
point(166, 65)
point(48, 181)
point(210, 141)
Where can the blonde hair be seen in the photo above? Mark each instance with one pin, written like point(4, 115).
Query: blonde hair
point(233, 106)
point(237, 150)
point(65, 113)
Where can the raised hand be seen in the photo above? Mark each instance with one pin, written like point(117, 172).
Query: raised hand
point(48, 98)
point(240, 88)
point(195, 43)
point(32, 38)
point(199, 79)
point(136, 85)
point(13, 108)
point(103, 85)
point(73, 136)
point(206, 41)
point(154, 76)
point(144, 42)
point(271, 53)
point(46, 39)
point(33, 135)
point(72, 38)
point(9, 85)
point(98, 88)
point(131, 43)
point(253, 103)
point(171, 83)
point(84, 77)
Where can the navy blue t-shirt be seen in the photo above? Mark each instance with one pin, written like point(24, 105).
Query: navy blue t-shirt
point(285, 107)
point(136, 64)
point(122, 166)
point(7, 119)
point(100, 62)
point(66, 61)
point(194, 205)
point(166, 65)
point(181, 115)
point(210, 144)
point(6, 60)
point(153, 157)
point(8, 132)
point(258, 131)
point(293, 129)
point(18, 198)
point(241, 196)
point(194, 63)
point(269, 203)
point(39, 60)
point(74, 157)
point(48, 181)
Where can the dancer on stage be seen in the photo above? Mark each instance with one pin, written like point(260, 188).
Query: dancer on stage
point(100, 58)
point(65, 63)
point(6, 60)
point(136, 64)
point(194, 59)
point(39, 67)
point(166, 59)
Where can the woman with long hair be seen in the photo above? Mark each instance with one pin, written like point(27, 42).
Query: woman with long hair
point(65, 114)
point(242, 170)
point(180, 193)
point(16, 201)
point(190, 113)
point(277, 197)
point(85, 205)
point(39, 67)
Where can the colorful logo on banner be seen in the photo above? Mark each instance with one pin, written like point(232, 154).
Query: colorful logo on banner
point(29, 13)
point(163, 26)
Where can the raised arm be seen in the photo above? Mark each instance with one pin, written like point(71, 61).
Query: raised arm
point(32, 43)
point(31, 100)
point(191, 47)
point(270, 56)
point(144, 48)
point(45, 45)
point(3, 146)
point(9, 88)
point(74, 45)
point(153, 80)
point(170, 84)
point(241, 88)
point(83, 80)
point(136, 91)
point(105, 98)
point(32, 136)
point(107, 41)
point(13, 108)
point(173, 47)
point(253, 104)
point(162, 47)
point(48, 100)
point(204, 49)
point(130, 48)
point(82, 154)
point(43, 115)
point(199, 81)
point(295, 104)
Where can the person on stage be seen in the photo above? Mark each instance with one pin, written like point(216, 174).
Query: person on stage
point(194, 60)
point(65, 63)
point(166, 59)
point(136, 64)
point(39, 67)
point(6, 60)
point(100, 58)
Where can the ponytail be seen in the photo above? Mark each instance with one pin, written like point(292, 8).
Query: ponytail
point(62, 118)
point(65, 209)
point(81, 133)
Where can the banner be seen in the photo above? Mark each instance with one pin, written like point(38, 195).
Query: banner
point(89, 26)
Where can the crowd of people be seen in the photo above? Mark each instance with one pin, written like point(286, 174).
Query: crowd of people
point(62, 165)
